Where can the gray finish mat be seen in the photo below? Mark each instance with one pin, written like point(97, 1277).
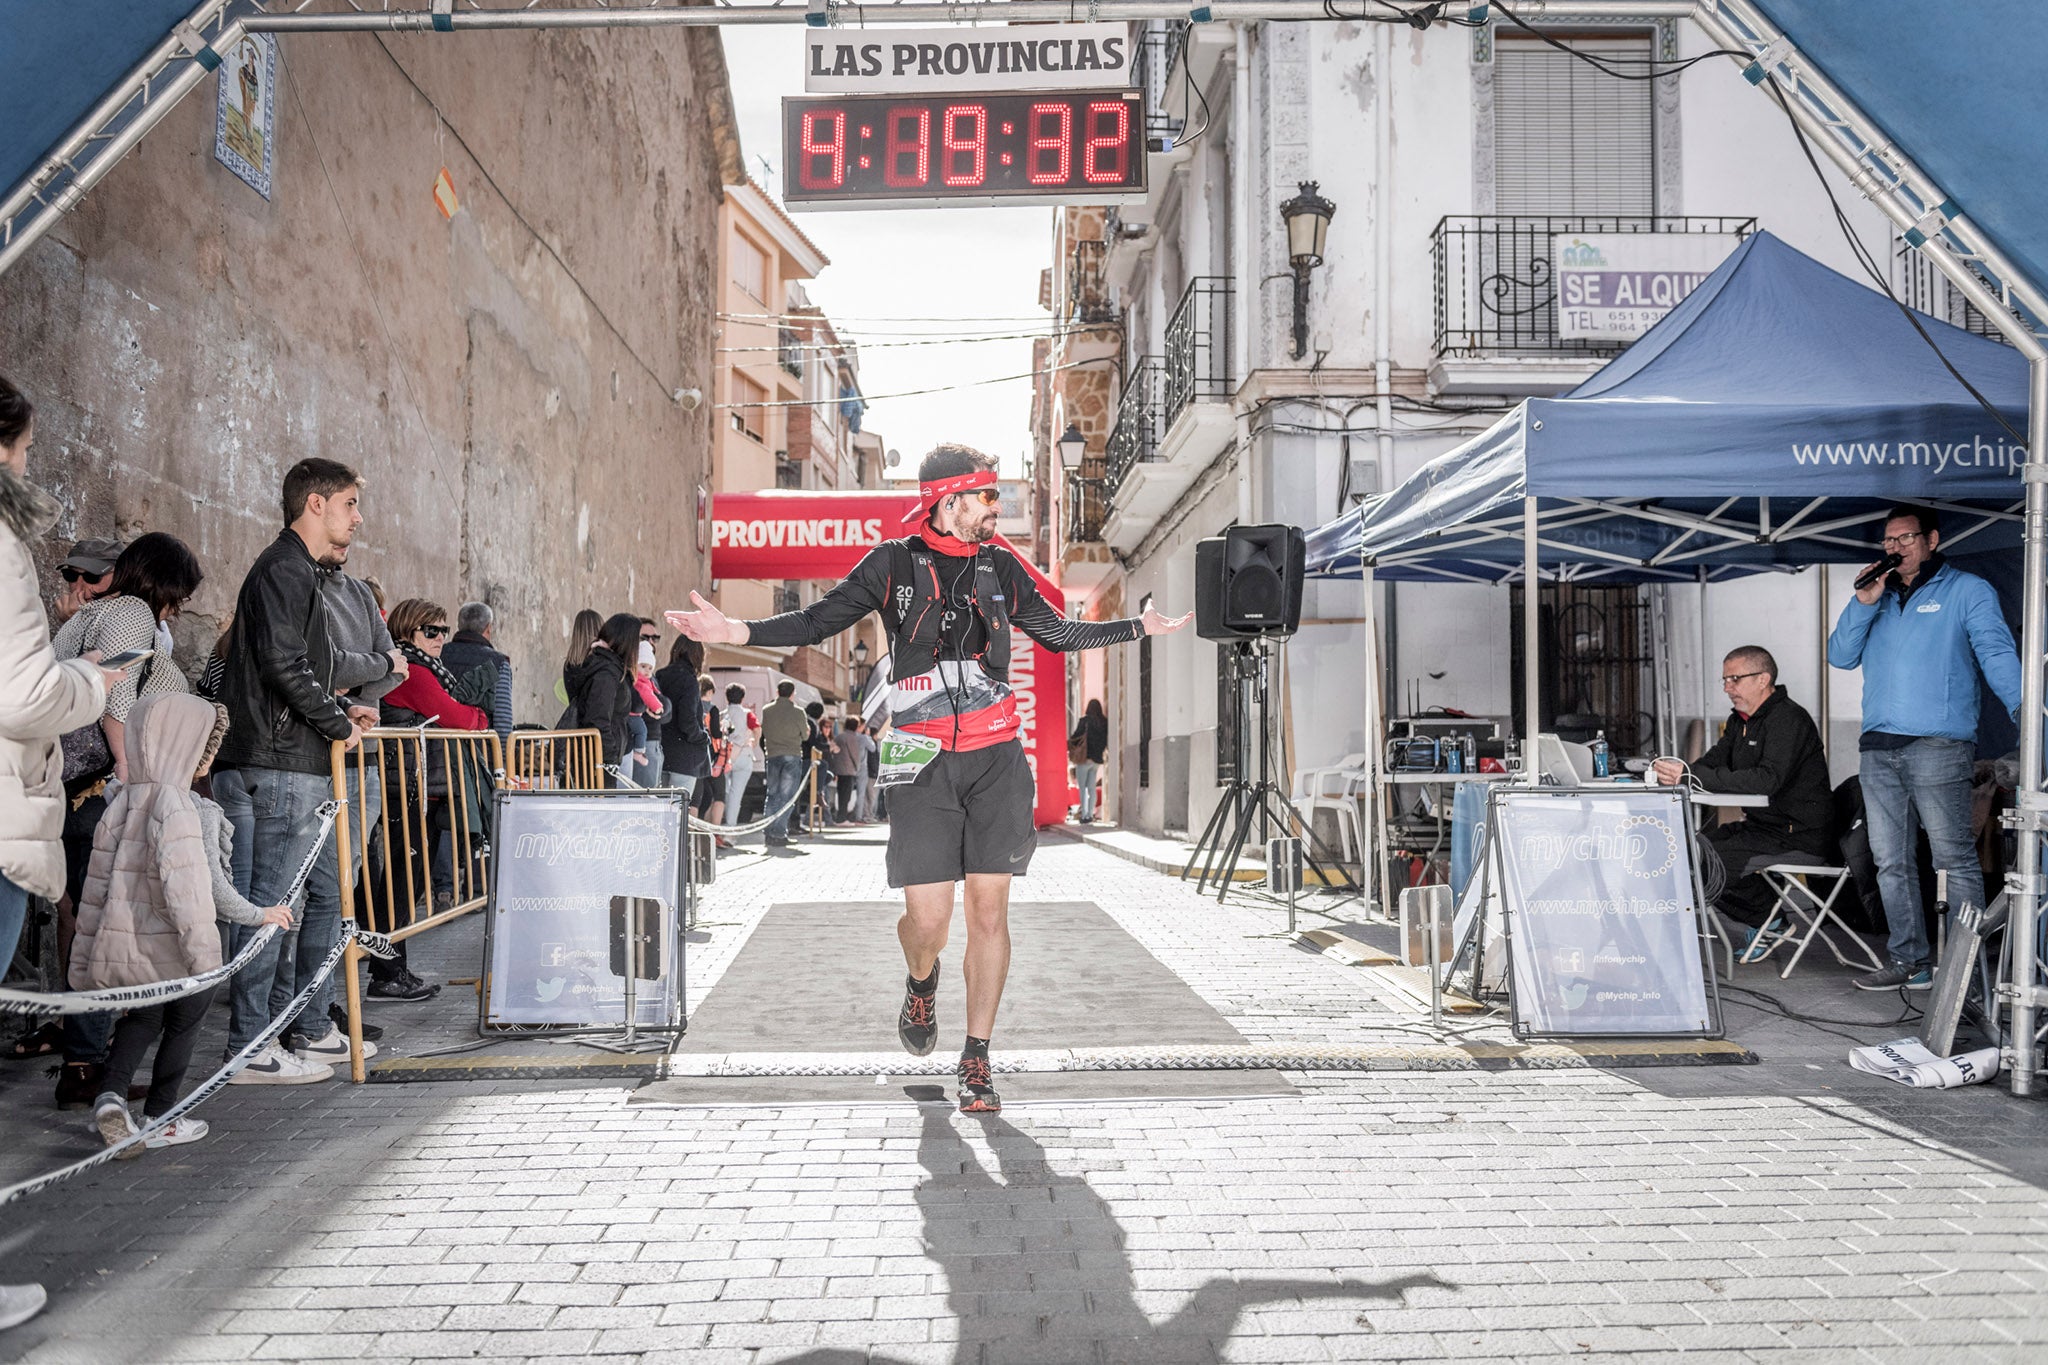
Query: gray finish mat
point(828, 977)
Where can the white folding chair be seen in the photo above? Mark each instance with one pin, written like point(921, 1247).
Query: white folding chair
point(1800, 899)
point(1331, 789)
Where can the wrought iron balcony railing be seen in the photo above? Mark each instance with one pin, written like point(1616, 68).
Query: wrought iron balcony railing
point(789, 351)
point(1088, 299)
point(1495, 288)
point(1087, 508)
point(1198, 345)
point(1139, 420)
point(788, 598)
point(1159, 42)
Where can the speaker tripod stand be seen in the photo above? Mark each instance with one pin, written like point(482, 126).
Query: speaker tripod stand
point(1248, 797)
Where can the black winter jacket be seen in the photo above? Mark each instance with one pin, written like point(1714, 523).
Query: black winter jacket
point(599, 698)
point(1777, 753)
point(278, 676)
point(685, 748)
point(468, 651)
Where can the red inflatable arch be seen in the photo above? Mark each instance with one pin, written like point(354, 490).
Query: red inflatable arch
point(788, 533)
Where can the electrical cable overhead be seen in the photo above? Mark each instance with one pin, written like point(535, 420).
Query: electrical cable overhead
point(873, 398)
point(1607, 64)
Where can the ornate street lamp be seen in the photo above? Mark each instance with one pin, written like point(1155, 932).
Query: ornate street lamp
point(1307, 216)
point(1073, 446)
point(862, 671)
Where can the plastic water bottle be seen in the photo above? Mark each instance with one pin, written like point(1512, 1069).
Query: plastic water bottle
point(1600, 761)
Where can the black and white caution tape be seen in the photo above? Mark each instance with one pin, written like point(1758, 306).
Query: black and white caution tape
point(727, 830)
point(158, 992)
point(374, 944)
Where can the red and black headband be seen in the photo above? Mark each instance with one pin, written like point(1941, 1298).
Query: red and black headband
point(931, 494)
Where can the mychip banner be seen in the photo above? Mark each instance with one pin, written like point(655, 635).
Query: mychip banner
point(1603, 912)
point(552, 935)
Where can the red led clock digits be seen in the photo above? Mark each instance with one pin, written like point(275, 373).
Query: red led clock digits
point(910, 138)
point(831, 147)
point(1051, 148)
point(964, 130)
point(1115, 117)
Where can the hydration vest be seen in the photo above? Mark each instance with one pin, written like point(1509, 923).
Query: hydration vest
point(917, 610)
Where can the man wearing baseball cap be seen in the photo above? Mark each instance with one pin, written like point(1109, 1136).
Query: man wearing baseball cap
point(86, 572)
point(960, 791)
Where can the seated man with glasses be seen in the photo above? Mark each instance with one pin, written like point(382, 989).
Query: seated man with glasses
point(1770, 748)
point(1922, 635)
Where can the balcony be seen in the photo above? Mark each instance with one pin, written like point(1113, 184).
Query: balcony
point(1198, 344)
point(1135, 438)
point(788, 598)
point(1496, 300)
point(1087, 502)
point(789, 352)
point(1088, 294)
point(1158, 44)
point(1175, 415)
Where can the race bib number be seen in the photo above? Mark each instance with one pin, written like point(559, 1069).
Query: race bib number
point(903, 757)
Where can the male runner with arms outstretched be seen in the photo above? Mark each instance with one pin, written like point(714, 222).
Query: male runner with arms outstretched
point(948, 599)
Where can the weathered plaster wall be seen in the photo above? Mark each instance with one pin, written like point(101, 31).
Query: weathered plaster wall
point(502, 379)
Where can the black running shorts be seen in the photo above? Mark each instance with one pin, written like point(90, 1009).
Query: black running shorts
point(967, 812)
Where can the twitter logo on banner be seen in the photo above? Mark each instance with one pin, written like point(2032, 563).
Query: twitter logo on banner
point(550, 989)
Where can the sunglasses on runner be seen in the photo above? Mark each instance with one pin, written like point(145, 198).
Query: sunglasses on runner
point(989, 496)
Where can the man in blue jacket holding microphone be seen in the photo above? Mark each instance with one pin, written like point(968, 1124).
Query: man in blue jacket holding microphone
point(1921, 634)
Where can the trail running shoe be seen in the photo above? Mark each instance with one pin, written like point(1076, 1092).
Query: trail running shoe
point(977, 1095)
point(918, 1024)
point(1894, 975)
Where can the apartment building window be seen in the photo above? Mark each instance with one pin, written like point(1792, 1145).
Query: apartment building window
point(748, 414)
point(1568, 138)
point(749, 267)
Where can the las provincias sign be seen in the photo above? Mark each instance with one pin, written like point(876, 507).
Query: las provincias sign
point(937, 60)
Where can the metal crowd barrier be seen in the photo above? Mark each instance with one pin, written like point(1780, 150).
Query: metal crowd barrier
point(571, 760)
point(405, 789)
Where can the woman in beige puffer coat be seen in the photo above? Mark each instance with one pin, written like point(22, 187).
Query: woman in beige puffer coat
point(40, 698)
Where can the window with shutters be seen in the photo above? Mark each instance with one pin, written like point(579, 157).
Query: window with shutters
point(1569, 138)
point(748, 414)
point(749, 267)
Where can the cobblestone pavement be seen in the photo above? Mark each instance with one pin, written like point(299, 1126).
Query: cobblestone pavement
point(1783, 1211)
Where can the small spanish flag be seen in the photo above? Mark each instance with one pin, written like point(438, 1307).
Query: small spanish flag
point(444, 194)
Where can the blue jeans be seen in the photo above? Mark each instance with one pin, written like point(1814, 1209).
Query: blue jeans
point(13, 913)
point(266, 807)
point(648, 771)
point(784, 772)
point(1925, 785)
point(1084, 778)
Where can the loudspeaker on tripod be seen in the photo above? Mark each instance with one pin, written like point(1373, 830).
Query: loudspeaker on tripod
point(1248, 582)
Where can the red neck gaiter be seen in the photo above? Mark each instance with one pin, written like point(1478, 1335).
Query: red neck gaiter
point(947, 545)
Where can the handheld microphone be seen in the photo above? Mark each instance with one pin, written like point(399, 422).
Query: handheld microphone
point(1877, 571)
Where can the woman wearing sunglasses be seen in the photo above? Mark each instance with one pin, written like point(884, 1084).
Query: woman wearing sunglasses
point(432, 695)
point(960, 791)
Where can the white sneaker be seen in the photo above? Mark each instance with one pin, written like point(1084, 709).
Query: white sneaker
point(275, 1066)
point(112, 1121)
point(332, 1049)
point(19, 1303)
point(177, 1133)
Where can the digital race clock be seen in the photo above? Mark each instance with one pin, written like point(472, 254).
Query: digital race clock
point(1019, 147)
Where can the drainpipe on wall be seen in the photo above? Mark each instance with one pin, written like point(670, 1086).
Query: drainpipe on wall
point(1245, 297)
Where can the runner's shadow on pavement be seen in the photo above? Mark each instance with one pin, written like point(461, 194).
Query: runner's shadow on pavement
point(1036, 1268)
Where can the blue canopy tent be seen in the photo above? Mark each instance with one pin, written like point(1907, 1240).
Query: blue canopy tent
point(1765, 424)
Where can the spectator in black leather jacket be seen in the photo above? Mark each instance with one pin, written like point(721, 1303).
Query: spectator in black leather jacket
point(275, 768)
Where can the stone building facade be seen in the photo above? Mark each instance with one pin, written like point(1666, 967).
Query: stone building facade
point(513, 380)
